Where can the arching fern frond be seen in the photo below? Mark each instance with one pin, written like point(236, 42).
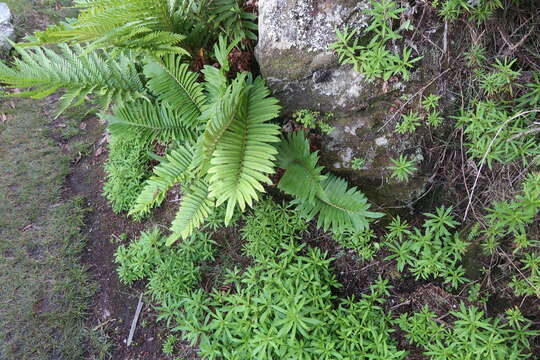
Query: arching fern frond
point(303, 176)
point(244, 155)
point(98, 18)
point(80, 75)
point(140, 39)
point(196, 206)
point(339, 207)
point(173, 82)
point(171, 171)
point(151, 121)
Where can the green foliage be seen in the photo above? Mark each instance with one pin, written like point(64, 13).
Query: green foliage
point(476, 55)
point(358, 163)
point(77, 73)
point(127, 169)
point(432, 251)
point(402, 168)
point(168, 345)
point(152, 27)
point(500, 79)
point(480, 10)
point(283, 308)
point(171, 273)
point(374, 60)
point(338, 207)
point(493, 131)
point(218, 133)
point(409, 123)
point(233, 154)
point(434, 119)
point(313, 119)
point(268, 227)
point(361, 242)
point(472, 335)
point(512, 220)
point(531, 98)
point(431, 102)
point(138, 259)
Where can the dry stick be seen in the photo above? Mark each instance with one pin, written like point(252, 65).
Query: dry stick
point(134, 322)
point(412, 97)
point(486, 154)
point(524, 277)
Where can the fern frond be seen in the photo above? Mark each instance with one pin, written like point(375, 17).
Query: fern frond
point(220, 115)
point(302, 177)
point(196, 206)
point(245, 155)
point(80, 75)
point(173, 83)
point(171, 171)
point(98, 18)
point(339, 207)
point(150, 121)
point(140, 39)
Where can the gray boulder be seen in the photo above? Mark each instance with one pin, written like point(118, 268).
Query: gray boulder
point(294, 57)
point(6, 29)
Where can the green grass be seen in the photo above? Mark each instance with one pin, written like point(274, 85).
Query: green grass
point(45, 290)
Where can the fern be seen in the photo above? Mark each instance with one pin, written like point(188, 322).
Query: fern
point(151, 121)
point(171, 171)
point(79, 75)
point(339, 208)
point(244, 155)
point(173, 83)
point(233, 20)
point(303, 177)
point(196, 206)
point(142, 25)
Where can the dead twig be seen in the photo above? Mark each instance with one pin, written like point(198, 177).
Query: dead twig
point(482, 163)
point(412, 97)
point(135, 319)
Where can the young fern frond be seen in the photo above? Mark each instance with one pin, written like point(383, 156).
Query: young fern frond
point(244, 155)
point(339, 208)
point(196, 206)
point(80, 75)
point(152, 121)
point(171, 171)
point(173, 83)
point(302, 177)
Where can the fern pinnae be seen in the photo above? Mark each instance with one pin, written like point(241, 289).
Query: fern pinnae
point(302, 177)
point(245, 155)
point(153, 121)
point(172, 170)
point(172, 82)
point(195, 207)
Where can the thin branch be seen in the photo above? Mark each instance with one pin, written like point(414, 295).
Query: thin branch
point(412, 97)
point(487, 152)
